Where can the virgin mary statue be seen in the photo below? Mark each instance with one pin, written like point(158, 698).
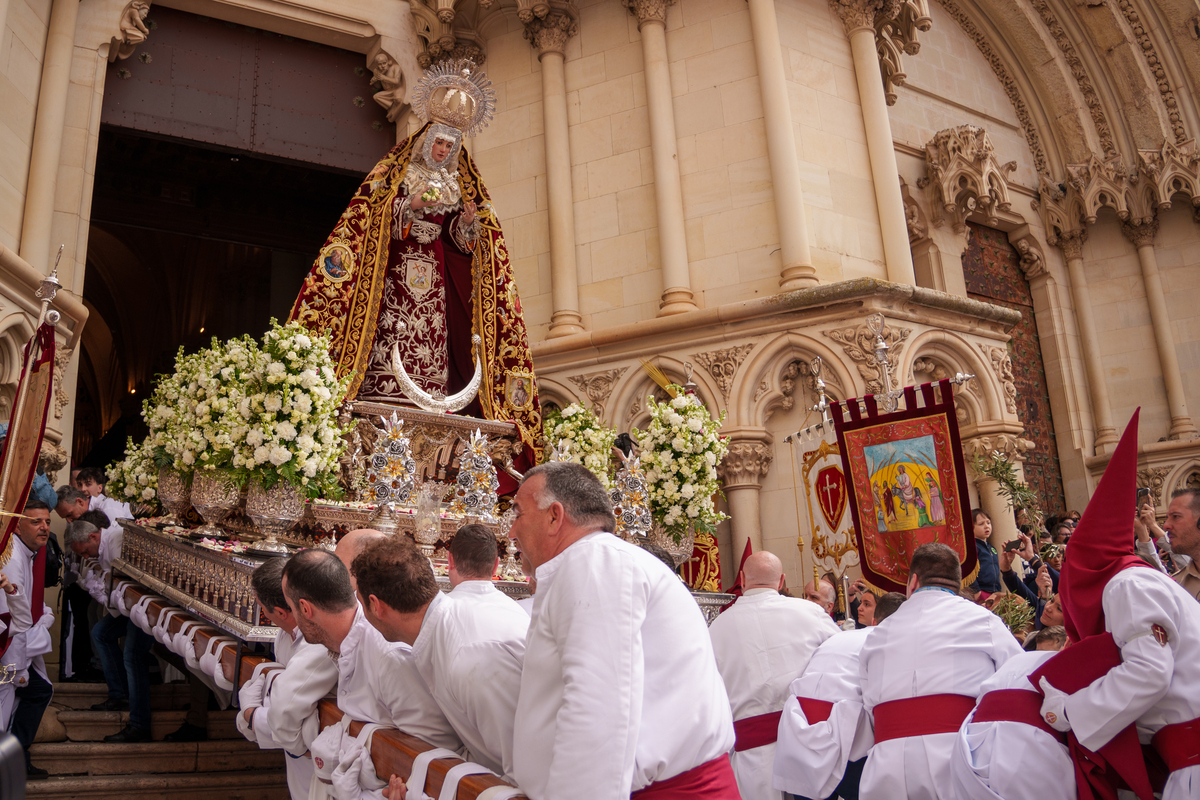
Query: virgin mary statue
point(418, 261)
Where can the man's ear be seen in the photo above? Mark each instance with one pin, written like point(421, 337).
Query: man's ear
point(449, 560)
point(782, 583)
point(305, 608)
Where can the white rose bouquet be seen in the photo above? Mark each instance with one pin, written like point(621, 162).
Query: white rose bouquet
point(287, 415)
point(588, 441)
point(680, 450)
point(135, 478)
point(170, 413)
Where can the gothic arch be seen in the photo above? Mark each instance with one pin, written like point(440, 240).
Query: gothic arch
point(626, 407)
point(750, 407)
point(960, 355)
point(552, 391)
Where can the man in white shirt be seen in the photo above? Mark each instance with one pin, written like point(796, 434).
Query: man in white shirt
point(377, 681)
point(473, 561)
point(824, 732)
point(823, 594)
point(468, 651)
point(921, 671)
point(285, 717)
point(91, 482)
point(762, 643)
point(24, 699)
point(620, 691)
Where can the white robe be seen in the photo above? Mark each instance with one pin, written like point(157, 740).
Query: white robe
point(308, 676)
point(113, 509)
point(620, 687)
point(1011, 760)
point(469, 653)
point(28, 641)
point(810, 760)
point(378, 682)
point(762, 643)
point(1156, 684)
point(936, 643)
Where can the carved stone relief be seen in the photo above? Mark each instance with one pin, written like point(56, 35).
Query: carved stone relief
point(61, 398)
point(551, 34)
point(1009, 445)
point(1153, 479)
point(51, 459)
point(1171, 169)
point(387, 75)
point(1099, 183)
point(1033, 264)
point(1146, 46)
point(598, 386)
point(858, 343)
point(133, 29)
point(649, 10)
point(746, 464)
point(722, 365)
point(965, 176)
point(1002, 367)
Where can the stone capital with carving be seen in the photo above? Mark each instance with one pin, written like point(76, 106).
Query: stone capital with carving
point(857, 14)
point(598, 386)
point(722, 365)
point(1141, 233)
point(746, 463)
point(648, 11)
point(551, 34)
point(1072, 241)
point(1010, 445)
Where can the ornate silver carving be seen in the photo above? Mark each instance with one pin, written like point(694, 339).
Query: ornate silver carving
point(214, 496)
point(448, 405)
point(174, 493)
point(275, 511)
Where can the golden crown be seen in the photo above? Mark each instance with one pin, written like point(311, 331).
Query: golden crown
point(455, 94)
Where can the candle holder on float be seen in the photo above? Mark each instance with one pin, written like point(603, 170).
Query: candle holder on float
point(510, 567)
point(427, 527)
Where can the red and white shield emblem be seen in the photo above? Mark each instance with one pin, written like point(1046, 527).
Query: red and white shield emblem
point(831, 495)
point(1160, 634)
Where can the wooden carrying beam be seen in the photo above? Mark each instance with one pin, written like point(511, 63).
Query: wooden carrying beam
point(392, 751)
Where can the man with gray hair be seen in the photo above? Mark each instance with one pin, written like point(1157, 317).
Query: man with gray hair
point(620, 691)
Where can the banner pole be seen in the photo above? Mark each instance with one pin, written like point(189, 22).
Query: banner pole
point(46, 293)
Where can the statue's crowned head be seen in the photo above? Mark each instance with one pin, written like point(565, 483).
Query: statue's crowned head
point(456, 99)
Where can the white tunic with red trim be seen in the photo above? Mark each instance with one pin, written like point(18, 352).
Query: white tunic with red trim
point(811, 758)
point(936, 643)
point(1003, 760)
point(1156, 623)
point(762, 643)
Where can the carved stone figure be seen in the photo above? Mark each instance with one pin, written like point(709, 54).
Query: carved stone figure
point(133, 28)
point(387, 75)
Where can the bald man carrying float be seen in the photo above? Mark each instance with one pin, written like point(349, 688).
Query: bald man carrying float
point(763, 642)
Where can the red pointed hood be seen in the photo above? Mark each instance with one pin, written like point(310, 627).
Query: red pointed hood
point(1102, 544)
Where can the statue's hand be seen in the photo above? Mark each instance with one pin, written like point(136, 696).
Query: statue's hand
point(416, 203)
point(468, 215)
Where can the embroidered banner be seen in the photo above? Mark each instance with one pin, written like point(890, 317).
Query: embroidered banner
point(23, 444)
point(907, 481)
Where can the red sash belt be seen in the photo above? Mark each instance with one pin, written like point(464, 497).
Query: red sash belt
point(1179, 744)
point(757, 731)
point(815, 710)
point(1014, 705)
point(712, 780)
point(921, 716)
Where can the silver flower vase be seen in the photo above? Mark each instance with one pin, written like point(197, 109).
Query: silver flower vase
point(680, 550)
point(214, 496)
point(175, 494)
point(275, 511)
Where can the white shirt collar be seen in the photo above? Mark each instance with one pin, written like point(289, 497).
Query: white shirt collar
point(483, 586)
point(760, 590)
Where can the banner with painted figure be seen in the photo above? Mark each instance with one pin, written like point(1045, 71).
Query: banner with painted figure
point(907, 481)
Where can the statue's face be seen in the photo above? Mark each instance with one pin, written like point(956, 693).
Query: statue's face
point(441, 149)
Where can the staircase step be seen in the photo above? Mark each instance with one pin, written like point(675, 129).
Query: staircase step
point(97, 758)
point(248, 785)
point(82, 696)
point(92, 726)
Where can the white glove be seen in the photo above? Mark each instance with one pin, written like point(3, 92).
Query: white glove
point(243, 726)
point(1054, 706)
point(251, 693)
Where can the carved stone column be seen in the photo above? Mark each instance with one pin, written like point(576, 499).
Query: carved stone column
point(745, 465)
point(859, 18)
point(668, 192)
point(991, 500)
point(47, 139)
point(1142, 235)
point(549, 37)
point(797, 271)
point(1071, 243)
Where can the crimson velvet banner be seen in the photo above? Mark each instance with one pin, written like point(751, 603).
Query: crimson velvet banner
point(907, 480)
point(23, 443)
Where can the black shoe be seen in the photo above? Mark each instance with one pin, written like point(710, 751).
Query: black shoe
point(33, 773)
point(128, 735)
point(188, 733)
point(112, 704)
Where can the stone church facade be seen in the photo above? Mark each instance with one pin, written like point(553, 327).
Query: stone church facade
point(733, 186)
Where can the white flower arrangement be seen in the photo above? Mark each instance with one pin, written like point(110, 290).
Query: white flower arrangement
point(289, 414)
point(134, 479)
point(588, 442)
point(680, 451)
point(264, 411)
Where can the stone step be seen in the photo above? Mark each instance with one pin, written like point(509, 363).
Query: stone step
point(92, 726)
point(97, 758)
point(249, 785)
point(82, 696)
